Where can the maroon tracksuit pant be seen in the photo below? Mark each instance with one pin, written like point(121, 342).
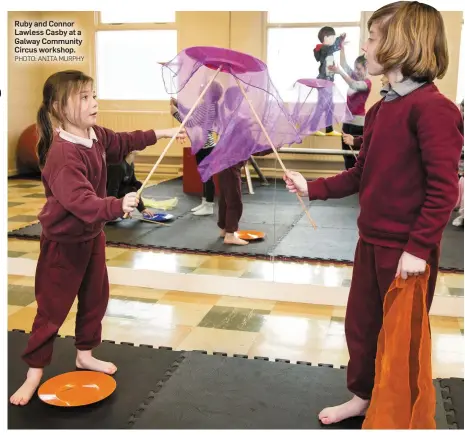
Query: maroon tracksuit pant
point(374, 271)
point(64, 271)
point(230, 202)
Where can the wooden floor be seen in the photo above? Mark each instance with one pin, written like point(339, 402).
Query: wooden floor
point(187, 321)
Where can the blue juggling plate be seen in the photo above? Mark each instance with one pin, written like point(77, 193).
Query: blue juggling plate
point(159, 217)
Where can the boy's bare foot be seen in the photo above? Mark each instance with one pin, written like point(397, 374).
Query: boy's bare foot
point(85, 360)
point(222, 233)
point(27, 390)
point(232, 239)
point(353, 408)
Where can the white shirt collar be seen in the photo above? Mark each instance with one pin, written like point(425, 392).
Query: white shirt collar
point(77, 139)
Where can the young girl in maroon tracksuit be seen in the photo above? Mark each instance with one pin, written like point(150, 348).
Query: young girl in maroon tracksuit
point(406, 177)
point(72, 246)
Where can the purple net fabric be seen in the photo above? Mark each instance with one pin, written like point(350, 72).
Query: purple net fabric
point(317, 104)
point(224, 110)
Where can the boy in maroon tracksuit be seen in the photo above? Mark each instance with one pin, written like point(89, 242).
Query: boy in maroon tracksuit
point(72, 246)
point(406, 177)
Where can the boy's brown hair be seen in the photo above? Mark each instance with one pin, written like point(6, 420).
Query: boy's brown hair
point(412, 37)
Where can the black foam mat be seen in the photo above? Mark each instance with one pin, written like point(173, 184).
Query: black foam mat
point(453, 395)
point(164, 389)
point(272, 210)
point(217, 392)
point(140, 369)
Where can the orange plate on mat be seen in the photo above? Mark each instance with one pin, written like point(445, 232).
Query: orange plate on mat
point(77, 388)
point(250, 234)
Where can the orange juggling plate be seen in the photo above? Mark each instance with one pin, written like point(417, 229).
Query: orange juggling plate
point(77, 388)
point(250, 234)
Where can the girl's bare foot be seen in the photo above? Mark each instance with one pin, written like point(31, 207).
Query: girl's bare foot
point(27, 390)
point(85, 360)
point(222, 233)
point(353, 408)
point(232, 239)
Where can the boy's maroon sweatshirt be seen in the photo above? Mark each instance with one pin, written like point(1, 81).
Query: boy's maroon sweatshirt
point(75, 181)
point(406, 172)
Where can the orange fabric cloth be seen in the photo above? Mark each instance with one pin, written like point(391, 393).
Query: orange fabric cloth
point(403, 394)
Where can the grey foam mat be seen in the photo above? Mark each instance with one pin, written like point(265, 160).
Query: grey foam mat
point(272, 210)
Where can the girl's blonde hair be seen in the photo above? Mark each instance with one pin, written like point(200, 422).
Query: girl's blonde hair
point(57, 89)
point(413, 38)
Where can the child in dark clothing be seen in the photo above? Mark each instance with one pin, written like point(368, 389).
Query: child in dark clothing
point(121, 180)
point(230, 204)
point(230, 201)
point(208, 188)
point(323, 53)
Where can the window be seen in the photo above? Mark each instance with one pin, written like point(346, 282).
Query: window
point(290, 55)
point(127, 63)
point(135, 15)
point(332, 12)
point(312, 13)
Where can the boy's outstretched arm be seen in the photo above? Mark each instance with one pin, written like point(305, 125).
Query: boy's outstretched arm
point(344, 184)
point(119, 145)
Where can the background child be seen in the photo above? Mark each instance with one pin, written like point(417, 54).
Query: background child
point(356, 141)
point(458, 221)
point(121, 180)
point(208, 188)
point(405, 203)
point(72, 246)
point(357, 95)
point(230, 205)
point(323, 53)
